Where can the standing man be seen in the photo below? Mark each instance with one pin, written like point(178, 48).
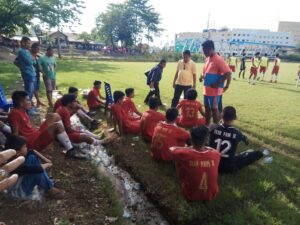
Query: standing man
point(254, 68)
point(233, 64)
point(275, 70)
point(185, 77)
point(216, 72)
point(153, 80)
point(243, 65)
point(264, 64)
point(48, 67)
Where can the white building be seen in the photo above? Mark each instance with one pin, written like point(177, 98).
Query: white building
point(235, 40)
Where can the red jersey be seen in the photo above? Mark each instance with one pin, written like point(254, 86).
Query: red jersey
point(92, 98)
point(166, 136)
point(189, 112)
point(65, 116)
point(57, 104)
point(198, 172)
point(150, 119)
point(129, 126)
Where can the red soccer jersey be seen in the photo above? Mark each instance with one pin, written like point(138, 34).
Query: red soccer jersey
point(149, 120)
point(197, 172)
point(92, 98)
point(57, 104)
point(189, 112)
point(166, 136)
point(129, 126)
point(65, 116)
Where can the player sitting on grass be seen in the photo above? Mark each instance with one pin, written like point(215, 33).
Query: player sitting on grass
point(52, 128)
point(197, 167)
point(31, 173)
point(81, 112)
point(94, 99)
point(189, 110)
point(121, 118)
point(150, 119)
point(225, 138)
point(166, 135)
point(129, 106)
point(70, 107)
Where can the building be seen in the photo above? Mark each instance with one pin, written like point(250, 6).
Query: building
point(293, 27)
point(235, 40)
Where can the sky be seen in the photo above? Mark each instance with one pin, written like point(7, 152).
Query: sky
point(192, 15)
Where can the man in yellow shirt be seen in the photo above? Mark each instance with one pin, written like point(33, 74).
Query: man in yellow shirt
point(185, 77)
point(264, 64)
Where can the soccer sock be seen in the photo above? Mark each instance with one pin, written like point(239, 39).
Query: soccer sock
point(263, 76)
point(90, 134)
point(276, 77)
point(64, 140)
point(6, 129)
point(84, 115)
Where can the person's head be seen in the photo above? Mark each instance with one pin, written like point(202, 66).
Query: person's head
point(244, 54)
point(35, 48)
point(17, 143)
point(266, 54)
point(129, 92)
point(73, 90)
point(21, 100)
point(162, 63)
point(69, 100)
point(186, 55)
point(191, 94)
point(208, 48)
point(171, 115)
point(199, 136)
point(49, 51)
point(25, 42)
point(118, 96)
point(229, 114)
point(257, 54)
point(234, 54)
point(153, 103)
point(97, 84)
point(277, 55)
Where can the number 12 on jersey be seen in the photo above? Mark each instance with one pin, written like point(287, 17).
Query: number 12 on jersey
point(223, 146)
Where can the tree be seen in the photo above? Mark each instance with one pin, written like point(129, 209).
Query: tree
point(14, 15)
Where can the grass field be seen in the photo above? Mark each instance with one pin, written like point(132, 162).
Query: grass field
point(268, 113)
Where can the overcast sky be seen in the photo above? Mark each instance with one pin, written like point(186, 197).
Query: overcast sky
point(192, 15)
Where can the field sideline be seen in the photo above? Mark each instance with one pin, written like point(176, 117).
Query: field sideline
point(269, 113)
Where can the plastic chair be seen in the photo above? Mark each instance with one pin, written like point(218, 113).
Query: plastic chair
point(109, 98)
point(4, 104)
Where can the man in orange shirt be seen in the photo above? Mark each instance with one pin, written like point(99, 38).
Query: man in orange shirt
point(166, 135)
point(129, 106)
point(94, 99)
point(189, 110)
point(197, 167)
point(150, 119)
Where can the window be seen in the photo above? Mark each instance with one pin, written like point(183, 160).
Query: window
point(243, 35)
point(239, 34)
point(287, 37)
point(234, 34)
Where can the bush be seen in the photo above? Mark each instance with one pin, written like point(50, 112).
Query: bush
point(291, 58)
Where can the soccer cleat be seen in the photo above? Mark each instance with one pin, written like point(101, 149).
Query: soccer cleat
point(76, 154)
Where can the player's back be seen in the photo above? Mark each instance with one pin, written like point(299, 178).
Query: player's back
point(149, 120)
point(189, 110)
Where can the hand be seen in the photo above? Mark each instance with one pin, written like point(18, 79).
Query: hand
point(173, 85)
point(225, 88)
point(201, 79)
point(9, 167)
point(151, 86)
point(194, 86)
point(246, 140)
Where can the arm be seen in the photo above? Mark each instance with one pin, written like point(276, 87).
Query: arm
point(194, 80)
point(201, 111)
point(17, 63)
point(227, 77)
point(41, 157)
point(175, 78)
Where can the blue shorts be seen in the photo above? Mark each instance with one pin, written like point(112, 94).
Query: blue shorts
point(212, 101)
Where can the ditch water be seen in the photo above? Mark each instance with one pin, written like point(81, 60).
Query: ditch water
point(137, 208)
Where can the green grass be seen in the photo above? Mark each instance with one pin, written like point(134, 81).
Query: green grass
point(268, 113)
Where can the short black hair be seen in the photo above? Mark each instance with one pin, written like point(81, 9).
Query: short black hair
point(277, 55)
point(15, 142)
point(118, 95)
point(229, 113)
point(67, 99)
point(187, 52)
point(257, 53)
point(172, 114)
point(97, 82)
point(163, 61)
point(129, 91)
point(35, 45)
point(24, 39)
point(266, 54)
point(209, 44)
point(17, 97)
point(153, 103)
point(191, 94)
point(49, 48)
point(72, 90)
point(234, 54)
point(199, 135)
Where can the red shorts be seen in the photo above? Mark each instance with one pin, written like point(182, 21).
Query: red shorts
point(253, 71)
point(232, 68)
point(41, 139)
point(275, 70)
point(262, 69)
point(181, 122)
point(132, 127)
point(74, 137)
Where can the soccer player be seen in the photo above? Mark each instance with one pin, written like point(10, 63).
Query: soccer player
point(254, 68)
point(190, 109)
point(121, 119)
point(38, 139)
point(298, 78)
point(197, 167)
point(232, 62)
point(243, 65)
point(150, 119)
point(166, 135)
point(216, 72)
point(129, 106)
point(264, 64)
point(48, 67)
point(68, 108)
point(225, 138)
point(95, 100)
point(275, 71)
